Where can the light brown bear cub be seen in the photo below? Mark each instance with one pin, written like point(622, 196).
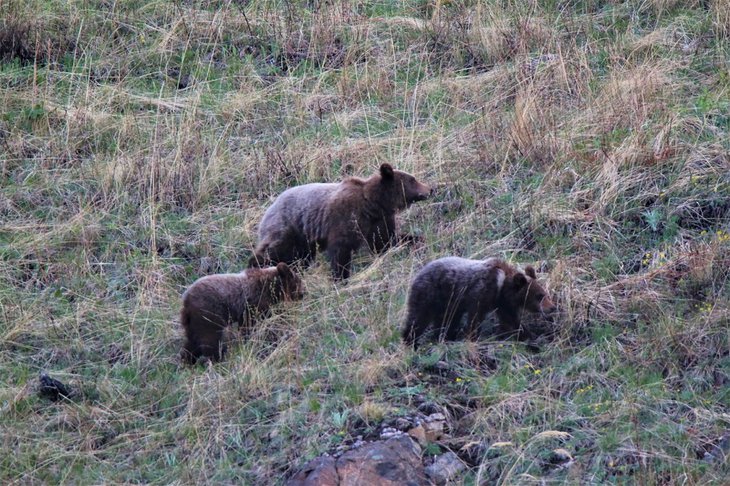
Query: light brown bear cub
point(446, 290)
point(214, 302)
point(336, 218)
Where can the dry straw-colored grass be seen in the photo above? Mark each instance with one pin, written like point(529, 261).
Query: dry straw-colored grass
point(141, 144)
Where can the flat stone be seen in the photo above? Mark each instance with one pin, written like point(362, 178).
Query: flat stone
point(394, 462)
point(317, 472)
point(445, 468)
point(436, 417)
point(403, 424)
point(419, 433)
point(389, 432)
point(431, 407)
point(434, 427)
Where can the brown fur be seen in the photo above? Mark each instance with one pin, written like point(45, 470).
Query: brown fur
point(336, 218)
point(214, 302)
point(446, 290)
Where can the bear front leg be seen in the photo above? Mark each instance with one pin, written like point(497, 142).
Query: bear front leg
point(341, 261)
point(408, 334)
point(417, 323)
point(210, 342)
point(189, 354)
point(509, 322)
point(382, 236)
point(474, 320)
point(524, 334)
point(303, 251)
point(452, 327)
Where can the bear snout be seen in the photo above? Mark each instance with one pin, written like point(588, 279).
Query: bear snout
point(424, 192)
point(547, 307)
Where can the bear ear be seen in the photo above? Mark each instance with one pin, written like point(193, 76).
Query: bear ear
point(386, 171)
point(530, 272)
point(519, 280)
point(284, 270)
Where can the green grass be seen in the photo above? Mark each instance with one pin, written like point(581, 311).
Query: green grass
point(140, 144)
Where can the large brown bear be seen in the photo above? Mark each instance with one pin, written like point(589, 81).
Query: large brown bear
point(214, 302)
point(336, 218)
point(447, 289)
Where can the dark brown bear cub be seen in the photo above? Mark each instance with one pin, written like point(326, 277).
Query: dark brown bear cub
point(448, 289)
point(216, 301)
point(336, 218)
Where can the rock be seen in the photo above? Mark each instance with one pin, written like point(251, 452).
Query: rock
point(560, 457)
point(342, 448)
point(419, 399)
point(403, 424)
point(317, 472)
point(389, 432)
point(445, 468)
point(395, 462)
point(434, 431)
point(51, 388)
point(473, 452)
point(419, 433)
point(430, 408)
point(434, 426)
point(430, 429)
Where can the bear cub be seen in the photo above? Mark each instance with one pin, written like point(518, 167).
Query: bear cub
point(214, 302)
point(336, 218)
point(446, 290)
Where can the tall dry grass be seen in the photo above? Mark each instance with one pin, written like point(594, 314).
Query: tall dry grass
point(141, 143)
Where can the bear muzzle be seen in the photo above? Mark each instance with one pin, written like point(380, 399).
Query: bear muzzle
point(547, 307)
point(423, 193)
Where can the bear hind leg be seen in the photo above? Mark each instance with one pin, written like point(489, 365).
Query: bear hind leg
point(304, 252)
point(289, 248)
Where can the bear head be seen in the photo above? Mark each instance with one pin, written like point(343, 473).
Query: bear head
point(291, 284)
point(525, 293)
point(394, 189)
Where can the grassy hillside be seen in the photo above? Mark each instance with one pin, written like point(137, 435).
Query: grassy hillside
point(140, 143)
